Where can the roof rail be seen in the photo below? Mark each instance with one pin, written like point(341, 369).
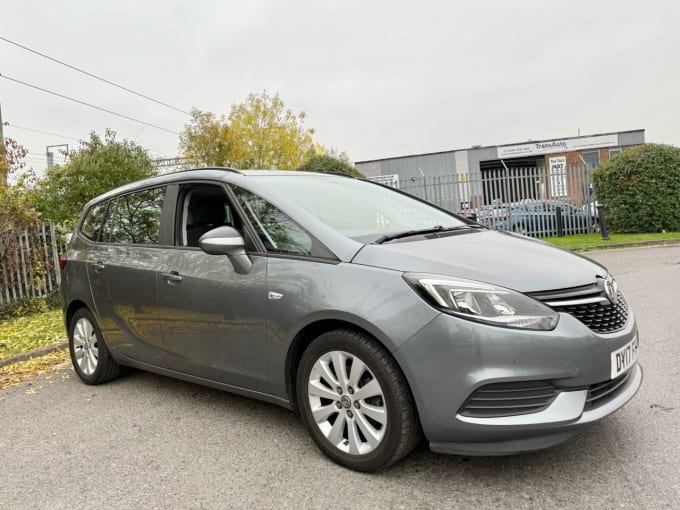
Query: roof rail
point(339, 174)
point(223, 168)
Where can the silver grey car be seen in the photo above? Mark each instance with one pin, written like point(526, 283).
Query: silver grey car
point(378, 317)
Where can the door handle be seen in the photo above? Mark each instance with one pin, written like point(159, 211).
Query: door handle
point(172, 277)
point(98, 266)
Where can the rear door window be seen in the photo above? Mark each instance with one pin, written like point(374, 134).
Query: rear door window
point(137, 218)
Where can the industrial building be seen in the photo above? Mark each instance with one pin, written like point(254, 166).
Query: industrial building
point(537, 168)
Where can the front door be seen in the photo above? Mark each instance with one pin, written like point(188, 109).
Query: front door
point(212, 317)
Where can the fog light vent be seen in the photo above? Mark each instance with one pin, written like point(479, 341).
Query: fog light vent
point(509, 399)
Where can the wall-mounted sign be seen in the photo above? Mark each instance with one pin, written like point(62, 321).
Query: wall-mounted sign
point(555, 146)
point(558, 176)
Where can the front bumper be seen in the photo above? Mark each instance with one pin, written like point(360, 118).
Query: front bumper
point(565, 418)
point(450, 358)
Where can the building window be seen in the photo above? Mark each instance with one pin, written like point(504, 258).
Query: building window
point(613, 152)
point(591, 159)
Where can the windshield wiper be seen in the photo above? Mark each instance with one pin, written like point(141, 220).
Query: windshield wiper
point(423, 231)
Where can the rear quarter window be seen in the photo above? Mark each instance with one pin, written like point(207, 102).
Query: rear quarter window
point(92, 224)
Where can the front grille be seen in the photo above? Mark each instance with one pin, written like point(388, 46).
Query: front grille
point(590, 305)
point(600, 393)
point(600, 317)
point(509, 399)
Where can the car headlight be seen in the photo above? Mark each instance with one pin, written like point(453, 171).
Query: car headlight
point(483, 302)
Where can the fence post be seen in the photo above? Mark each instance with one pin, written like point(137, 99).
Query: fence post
point(55, 254)
point(604, 230)
point(48, 275)
point(30, 266)
point(23, 267)
point(558, 220)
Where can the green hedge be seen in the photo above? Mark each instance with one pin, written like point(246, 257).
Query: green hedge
point(328, 164)
point(640, 189)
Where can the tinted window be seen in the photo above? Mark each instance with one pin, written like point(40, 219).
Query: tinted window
point(138, 217)
point(279, 233)
point(93, 221)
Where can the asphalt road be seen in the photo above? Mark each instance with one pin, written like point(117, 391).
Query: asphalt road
point(147, 441)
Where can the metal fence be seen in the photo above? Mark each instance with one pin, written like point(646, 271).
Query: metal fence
point(30, 262)
point(536, 201)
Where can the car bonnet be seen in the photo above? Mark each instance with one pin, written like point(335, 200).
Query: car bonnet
point(499, 258)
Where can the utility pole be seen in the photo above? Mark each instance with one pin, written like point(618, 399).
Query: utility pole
point(3, 154)
point(2, 137)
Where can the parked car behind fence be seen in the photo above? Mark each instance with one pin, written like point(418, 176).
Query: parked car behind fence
point(539, 218)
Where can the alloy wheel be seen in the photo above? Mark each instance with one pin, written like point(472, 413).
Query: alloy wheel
point(85, 347)
point(347, 403)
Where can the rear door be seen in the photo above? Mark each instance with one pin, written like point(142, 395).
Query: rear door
point(123, 272)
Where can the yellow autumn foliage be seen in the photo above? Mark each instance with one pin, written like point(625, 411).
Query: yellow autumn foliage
point(23, 334)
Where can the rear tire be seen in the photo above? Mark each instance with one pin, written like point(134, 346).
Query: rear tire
point(355, 402)
point(90, 357)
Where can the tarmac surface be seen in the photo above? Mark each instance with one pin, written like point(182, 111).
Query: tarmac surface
point(146, 441)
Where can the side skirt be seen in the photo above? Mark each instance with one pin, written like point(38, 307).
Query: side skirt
point(265, 397)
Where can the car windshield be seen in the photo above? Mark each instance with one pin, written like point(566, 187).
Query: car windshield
point(356, 208)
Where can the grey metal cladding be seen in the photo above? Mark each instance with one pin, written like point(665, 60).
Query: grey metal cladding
point(632, 137)
point(443, 163)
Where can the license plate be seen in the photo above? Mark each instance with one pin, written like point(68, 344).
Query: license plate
point(625, 357)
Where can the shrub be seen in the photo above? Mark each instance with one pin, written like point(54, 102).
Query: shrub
point(328, 164)
point(30, 305)
point(640, 189)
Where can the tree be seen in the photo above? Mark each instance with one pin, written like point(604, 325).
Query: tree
point(258, 133)
point(207, 140)
point(15, 212)
point(640, 189)
point(94, 168)
point(270, 136)
point(328, 164)
point(17, 217)
point(11, 160)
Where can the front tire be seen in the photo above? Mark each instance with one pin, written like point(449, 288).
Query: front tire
point(90, 357)
point(355, 402)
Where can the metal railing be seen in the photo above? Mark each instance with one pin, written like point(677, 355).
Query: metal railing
point(30, 262)
point(534, 201)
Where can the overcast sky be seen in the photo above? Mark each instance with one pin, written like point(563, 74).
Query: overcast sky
point(376, 78)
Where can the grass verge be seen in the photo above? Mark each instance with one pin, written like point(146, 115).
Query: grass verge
point(23, 334)
point(582, 241)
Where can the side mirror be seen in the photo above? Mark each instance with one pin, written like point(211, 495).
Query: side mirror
point(227, 241)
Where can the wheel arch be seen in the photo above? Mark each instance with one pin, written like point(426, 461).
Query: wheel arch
point(72, 308)
point(307, 334)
